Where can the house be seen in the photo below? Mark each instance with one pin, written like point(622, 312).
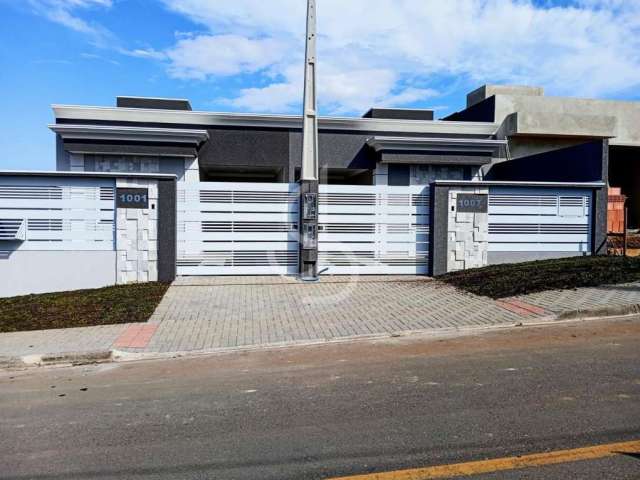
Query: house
point(514, 176)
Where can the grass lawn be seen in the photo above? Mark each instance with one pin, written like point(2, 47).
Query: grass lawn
point(500, 281)
point(82, 308)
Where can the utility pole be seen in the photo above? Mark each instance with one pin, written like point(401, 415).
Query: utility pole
point(308, 259)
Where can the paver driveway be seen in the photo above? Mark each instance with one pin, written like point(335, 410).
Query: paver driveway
point(220, 312)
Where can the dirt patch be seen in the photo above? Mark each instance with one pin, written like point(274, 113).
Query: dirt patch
point(510, 280)
point(82, 308)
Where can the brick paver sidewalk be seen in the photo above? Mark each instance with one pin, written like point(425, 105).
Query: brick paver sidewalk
point(216, 313)
point(558, 301)
point(205, 314)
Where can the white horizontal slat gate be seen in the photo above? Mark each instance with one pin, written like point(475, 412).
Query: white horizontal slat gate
point(40, 214)
point(237, 228)
point(373, 229)
point(539, 220)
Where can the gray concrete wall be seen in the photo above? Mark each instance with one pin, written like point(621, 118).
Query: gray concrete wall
point(487, 91)
point(560, 116)
point(26, 272)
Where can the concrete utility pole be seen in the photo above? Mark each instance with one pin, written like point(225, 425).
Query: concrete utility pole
point(310, 171)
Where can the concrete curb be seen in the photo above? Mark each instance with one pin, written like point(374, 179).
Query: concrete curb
point(605, 312)
point(102, 356)
point(59, 359)
point(442, 333)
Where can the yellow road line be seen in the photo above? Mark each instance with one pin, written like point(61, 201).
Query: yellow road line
point(501, 464)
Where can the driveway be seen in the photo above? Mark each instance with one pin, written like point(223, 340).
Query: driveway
point(208, 313)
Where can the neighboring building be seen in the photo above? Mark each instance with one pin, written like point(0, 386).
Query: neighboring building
point(549, 136)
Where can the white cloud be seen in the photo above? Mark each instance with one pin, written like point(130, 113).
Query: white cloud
point(222, 55)
point(63, 12)
point(394, 52)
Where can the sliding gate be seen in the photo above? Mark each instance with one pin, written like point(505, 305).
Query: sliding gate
point(374, 229)
point(237, 228)
point(252, 229)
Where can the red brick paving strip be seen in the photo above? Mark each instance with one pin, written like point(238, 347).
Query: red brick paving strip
point(520, 307)
point(527, 306)
point(136, 336)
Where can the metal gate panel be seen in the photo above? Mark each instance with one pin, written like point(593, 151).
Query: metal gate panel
point(539, 220)
point(38, 213)
point(237, 228)
point(373, 229)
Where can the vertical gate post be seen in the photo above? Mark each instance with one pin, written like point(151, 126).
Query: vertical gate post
point(308, 206)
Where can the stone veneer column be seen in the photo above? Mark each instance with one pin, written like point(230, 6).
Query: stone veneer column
point(137, 236)
point(467, 234)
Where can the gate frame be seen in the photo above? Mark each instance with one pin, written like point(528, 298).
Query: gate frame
point(440, 215)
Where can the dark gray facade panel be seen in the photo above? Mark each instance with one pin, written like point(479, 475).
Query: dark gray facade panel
point(153, 103)
point(399, 114)
point(245, 147)
point(484, 111)
point(336, 150)
point(63, 163)
point(439, 229)
point(434, 159)
point(167, 230)
point(497, 258)
point(600, 207)
point(582, 163)
point(399, 175)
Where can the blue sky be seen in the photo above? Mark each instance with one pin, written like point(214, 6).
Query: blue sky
point(246, 55)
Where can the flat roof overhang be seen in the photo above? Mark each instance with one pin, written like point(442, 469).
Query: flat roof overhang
point(130, 134)
point(212, 119)
point(436, 151)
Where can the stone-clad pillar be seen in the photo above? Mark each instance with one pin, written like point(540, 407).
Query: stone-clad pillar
point(467, 233)
point(137, 236)
point(458, 240)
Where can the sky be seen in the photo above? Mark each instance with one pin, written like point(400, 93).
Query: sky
point(248, 56)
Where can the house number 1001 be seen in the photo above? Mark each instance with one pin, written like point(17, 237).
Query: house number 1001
point(132, 198)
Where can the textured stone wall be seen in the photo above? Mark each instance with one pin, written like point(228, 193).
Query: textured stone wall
point(126, 164)
point(184, 169)
point(137, 236)
point(467, 234)
point(427, 174)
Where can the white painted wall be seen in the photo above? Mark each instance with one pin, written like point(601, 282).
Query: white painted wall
point(27, 272)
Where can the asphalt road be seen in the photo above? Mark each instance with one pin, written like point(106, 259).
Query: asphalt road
point(339, 410)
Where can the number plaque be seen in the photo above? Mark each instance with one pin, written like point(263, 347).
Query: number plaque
point(471, 203)
point(132, 198)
